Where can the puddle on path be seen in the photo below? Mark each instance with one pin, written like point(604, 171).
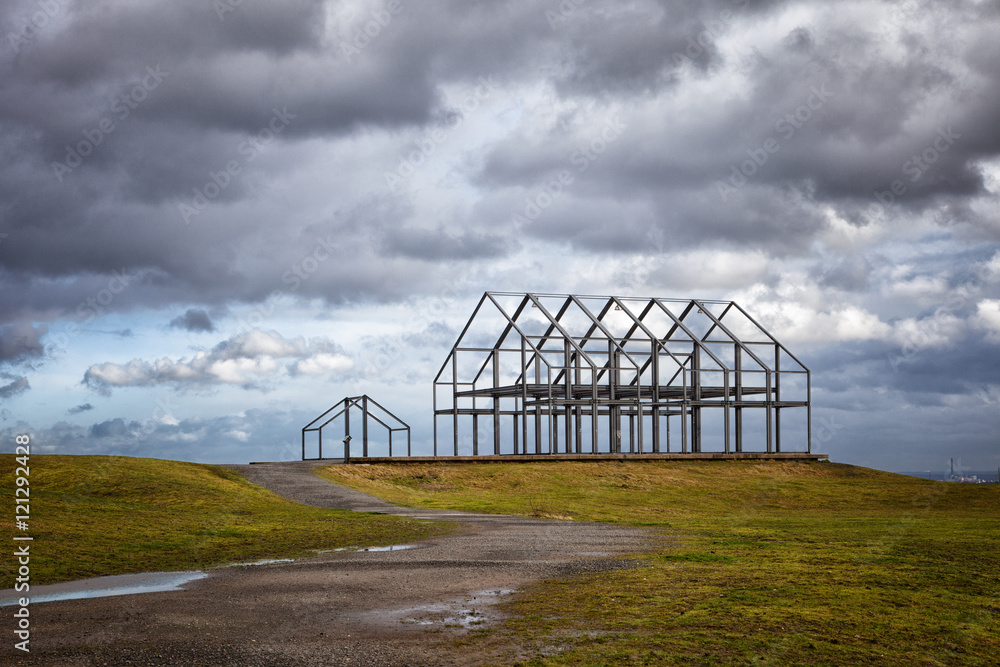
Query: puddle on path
point(265, 561)
point(120, 584)
point(148, 582)
point(99, 587)
point(474, 611)
point(391, 547)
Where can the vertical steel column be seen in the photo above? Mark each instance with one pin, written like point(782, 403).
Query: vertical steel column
point(516, 443)
point(668, 431)
point(594, 407)
point(655, 365)
point(496, 402)
point(638, 406)
point(768, 407)
point(524, 396)
point(726, 407)
point(475, 434)
point(568, 419)
point(614, 411)
point(696, 388)
point(553, 413)
point(364, 425)
point(303, 444)
point(347, 430)
point(454, 393)
point(553, 429)
point(578, 433)
point(538, 406)
point(685, 410)
point(320, 443)
point(739, 398)
point(434, 409)
point(631, 433)
point(809, 424)
point(777, 398)
point(578, 380)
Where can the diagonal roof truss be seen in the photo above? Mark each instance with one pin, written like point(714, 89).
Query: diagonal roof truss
point(561, 373)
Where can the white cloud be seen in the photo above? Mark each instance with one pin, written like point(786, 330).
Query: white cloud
point(322, 363)
point(244, 359)
point(987, 318)
point(919, 288)
point(796, 312)
point(937, 330)
point(991, 270)
point(716, 269)
point(799, 323)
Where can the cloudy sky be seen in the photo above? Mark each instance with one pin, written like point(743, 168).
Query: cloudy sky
point(217, 218)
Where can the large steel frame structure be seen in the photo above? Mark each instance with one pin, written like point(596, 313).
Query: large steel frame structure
point(562, 373)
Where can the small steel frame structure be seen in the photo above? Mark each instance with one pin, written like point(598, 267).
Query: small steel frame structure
point(370, 409)
point(563, 373)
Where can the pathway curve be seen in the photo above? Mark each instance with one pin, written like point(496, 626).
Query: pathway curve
point(343, 608)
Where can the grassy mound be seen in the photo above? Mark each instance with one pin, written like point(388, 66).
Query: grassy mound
point(763, 563)
point(100, 515)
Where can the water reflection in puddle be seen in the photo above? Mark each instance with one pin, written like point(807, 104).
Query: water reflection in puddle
point(391, 547)
point(265, 561)
point(475, 611)
point(100, 587)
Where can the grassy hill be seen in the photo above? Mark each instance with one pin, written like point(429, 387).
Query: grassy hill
point(762, 563)
point(99, 515)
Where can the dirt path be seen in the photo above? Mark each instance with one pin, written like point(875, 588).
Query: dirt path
point(344, 608)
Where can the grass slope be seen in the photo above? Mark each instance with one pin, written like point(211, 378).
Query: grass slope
point(100, 515)
point(764, 563)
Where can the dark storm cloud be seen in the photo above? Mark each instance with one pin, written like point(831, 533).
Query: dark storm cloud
point(440, 244)
point(212, 88)
point(635, 48)
point(849, 273)
point(115, 428)
point(79, 47)
point(926, 375)
point(194, 319)
point(829, 119)
point(11, 389)
point(21, 341)
point(958, 369)
point(114, 113)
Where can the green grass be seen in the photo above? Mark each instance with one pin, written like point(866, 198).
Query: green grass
point(762, 563)
point(100, 515)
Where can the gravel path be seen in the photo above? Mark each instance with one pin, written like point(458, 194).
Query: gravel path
point(397, 607)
